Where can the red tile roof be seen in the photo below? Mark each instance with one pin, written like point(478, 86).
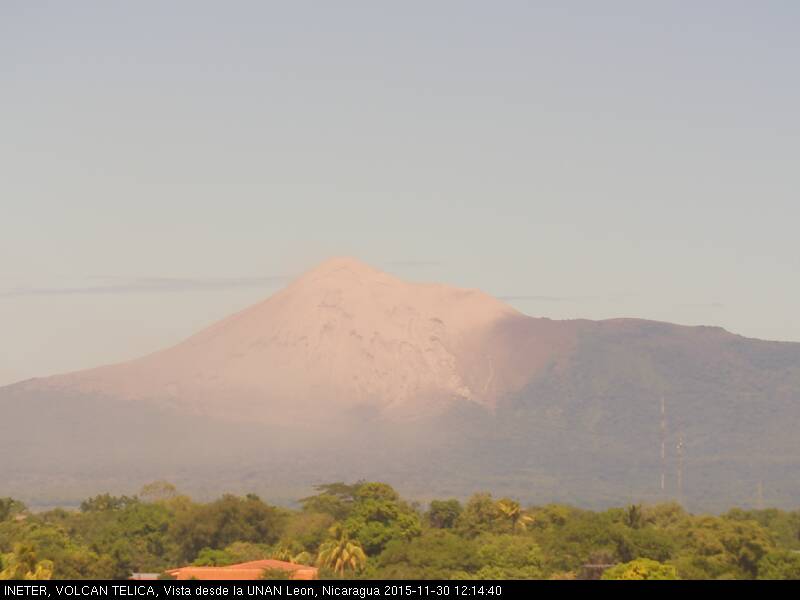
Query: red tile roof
point(253, 569)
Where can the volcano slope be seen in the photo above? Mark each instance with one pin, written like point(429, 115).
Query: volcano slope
point(351, 373)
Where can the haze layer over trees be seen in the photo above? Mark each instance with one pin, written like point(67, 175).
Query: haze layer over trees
point(366, 530)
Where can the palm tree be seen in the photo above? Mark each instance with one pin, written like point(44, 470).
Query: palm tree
point(634, 517)
point(512, 511)
point(303, 558)
point(340, 553)
point(287, 554)
point(23, 564)
point(282, 553)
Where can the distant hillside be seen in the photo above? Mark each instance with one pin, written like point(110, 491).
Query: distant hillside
point(351, 373)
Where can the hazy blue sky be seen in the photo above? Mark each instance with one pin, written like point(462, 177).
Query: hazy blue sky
point(165, 163)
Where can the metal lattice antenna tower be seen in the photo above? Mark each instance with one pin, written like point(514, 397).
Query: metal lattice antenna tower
point(679, 450)
point(663, 444)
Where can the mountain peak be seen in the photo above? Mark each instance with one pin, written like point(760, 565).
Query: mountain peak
point(343, 335)
point(344, 268)
point(338, 263)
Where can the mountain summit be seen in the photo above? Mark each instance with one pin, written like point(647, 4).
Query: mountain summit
point(344, 336)
point(350, 373)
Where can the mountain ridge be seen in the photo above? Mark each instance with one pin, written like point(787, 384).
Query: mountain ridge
point(343, 327)
point(461, 392)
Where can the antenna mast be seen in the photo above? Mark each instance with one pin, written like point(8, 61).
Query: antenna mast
point(663, 444)
point(679, 449)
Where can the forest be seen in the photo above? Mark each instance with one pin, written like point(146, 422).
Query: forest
point(366, 530)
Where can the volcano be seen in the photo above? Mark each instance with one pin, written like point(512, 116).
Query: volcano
point(352, 373)
point(342, 337)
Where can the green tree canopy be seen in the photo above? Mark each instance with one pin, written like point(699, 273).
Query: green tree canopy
point(106, 502)
point(10, 508)
point(443, 514)
point(436, 554)
point(158, 491)
point(379, 516)
point(335, 499)
point(224, 521)
point(780, 564)
point(641, 568)
point(22, 563)
point(480, 515)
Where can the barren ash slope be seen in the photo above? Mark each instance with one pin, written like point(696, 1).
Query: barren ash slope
point(342, 338)
point(349, 372)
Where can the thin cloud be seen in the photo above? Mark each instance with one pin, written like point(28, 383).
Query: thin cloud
point(703, 305)
point(543, 298)
point(143, 285)
point(538, 298)
point(414, 263)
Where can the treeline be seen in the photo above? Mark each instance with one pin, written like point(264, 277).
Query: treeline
point(366, 530)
